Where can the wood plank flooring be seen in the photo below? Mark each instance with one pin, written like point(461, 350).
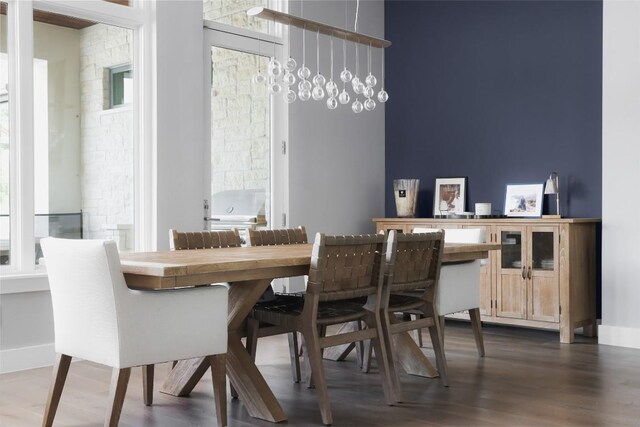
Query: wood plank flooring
point(526, 379)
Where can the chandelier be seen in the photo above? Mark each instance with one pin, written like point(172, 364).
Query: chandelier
point(281, 77)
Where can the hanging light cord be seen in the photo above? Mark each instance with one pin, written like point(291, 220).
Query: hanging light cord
point(355, 25)
point(318, 52)
point(304, 45)
point(331, 43)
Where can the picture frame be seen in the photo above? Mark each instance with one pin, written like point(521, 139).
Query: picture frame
point(524, 200)
point(449, 195)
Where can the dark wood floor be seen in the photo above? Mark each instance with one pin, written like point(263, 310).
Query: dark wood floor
point(526, 379)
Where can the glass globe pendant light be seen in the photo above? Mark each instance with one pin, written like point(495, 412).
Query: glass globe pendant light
point(383, 96)
point(274, 86)
point(259, 78)
point(369, 104)
point(304, 72)
point(304, 86)
point(358, 87)
point(371, 80)
point(318, 80)
point(289, 67)
point(289, 96)
point(345, 75)
point(356, 84)
point(332, 87)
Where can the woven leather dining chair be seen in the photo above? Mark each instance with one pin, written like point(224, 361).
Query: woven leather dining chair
point(189, 240)
point(179, 240)
point(345, 284)
point(413, 287)
point(99, 319)
point(284, 236)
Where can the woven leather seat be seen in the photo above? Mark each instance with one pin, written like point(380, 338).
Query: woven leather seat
point(329, 313)
point(404, 302)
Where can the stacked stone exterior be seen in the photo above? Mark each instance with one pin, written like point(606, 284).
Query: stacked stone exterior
point(106, 134)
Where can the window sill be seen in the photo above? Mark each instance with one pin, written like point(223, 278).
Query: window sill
point(17, 283)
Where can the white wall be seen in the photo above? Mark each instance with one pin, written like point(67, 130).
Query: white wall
point(336, 164)
point(620, 174)
point(180, 115)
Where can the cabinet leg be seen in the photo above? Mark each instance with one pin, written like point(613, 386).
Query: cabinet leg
point(590, 330)
point(566, 334)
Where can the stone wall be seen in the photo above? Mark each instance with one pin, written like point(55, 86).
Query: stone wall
point(240, 123)
point(107, 137)
point(233, 12)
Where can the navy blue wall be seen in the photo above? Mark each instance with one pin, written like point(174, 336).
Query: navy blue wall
point(501, 92)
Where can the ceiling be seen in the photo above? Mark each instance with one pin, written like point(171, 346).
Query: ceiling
point(61, 20)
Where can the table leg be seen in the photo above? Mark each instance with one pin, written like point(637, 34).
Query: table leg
point(252, 389)
point(411, 358)
point(339, 352)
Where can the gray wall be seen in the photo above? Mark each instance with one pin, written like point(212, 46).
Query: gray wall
point(336, 159)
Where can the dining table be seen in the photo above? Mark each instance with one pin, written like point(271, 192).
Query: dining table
point(249, 272)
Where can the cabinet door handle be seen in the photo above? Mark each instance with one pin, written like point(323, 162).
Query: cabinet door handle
point(524, 274)
point(529, 273)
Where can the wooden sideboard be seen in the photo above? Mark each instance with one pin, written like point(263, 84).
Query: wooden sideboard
point(544, 276)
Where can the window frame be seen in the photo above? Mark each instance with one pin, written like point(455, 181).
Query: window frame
point(138, 18)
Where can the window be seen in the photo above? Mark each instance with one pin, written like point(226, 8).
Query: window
point(83, 151)
point(76, 157)
point(120, 86)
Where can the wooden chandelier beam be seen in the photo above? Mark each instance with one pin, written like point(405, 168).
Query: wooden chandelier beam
point(315, 26)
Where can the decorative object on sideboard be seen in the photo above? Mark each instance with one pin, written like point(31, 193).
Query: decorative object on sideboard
point(483, 209)
point(553, 187)
point(449, 195)
point(280, 76)
point(523, 200)
point(406, 195)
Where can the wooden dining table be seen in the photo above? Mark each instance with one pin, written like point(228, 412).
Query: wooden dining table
point(249, 272)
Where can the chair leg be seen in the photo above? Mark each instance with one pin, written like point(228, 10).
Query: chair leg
point(418, 331)
point(366, 356)
point(314, 354)
point(322, 331)
point(60, 370)
point(119, 382)
point(384, 357)
point(219, 376)
point(147, 384)
point(438, 345)
point(476, 323)
point(293, 354)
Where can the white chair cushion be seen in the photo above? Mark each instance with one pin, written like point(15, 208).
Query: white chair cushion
point(459, 285)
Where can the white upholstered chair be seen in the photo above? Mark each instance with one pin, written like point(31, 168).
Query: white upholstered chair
point(459, 287)
point(99, 319)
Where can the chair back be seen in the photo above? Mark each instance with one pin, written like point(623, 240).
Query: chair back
point(459, 283)
point(179, 240)
point(416, 261)
point(87, 291)
point(458, 235)
point(344, 267)
point(283, 236)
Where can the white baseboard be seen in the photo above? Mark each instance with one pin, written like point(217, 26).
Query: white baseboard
point(619, 336)
point(19, 359)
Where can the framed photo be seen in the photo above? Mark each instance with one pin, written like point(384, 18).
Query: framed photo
point(523, 200)
point(449, 195)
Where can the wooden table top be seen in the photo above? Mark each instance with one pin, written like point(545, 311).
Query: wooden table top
point(189, 267)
